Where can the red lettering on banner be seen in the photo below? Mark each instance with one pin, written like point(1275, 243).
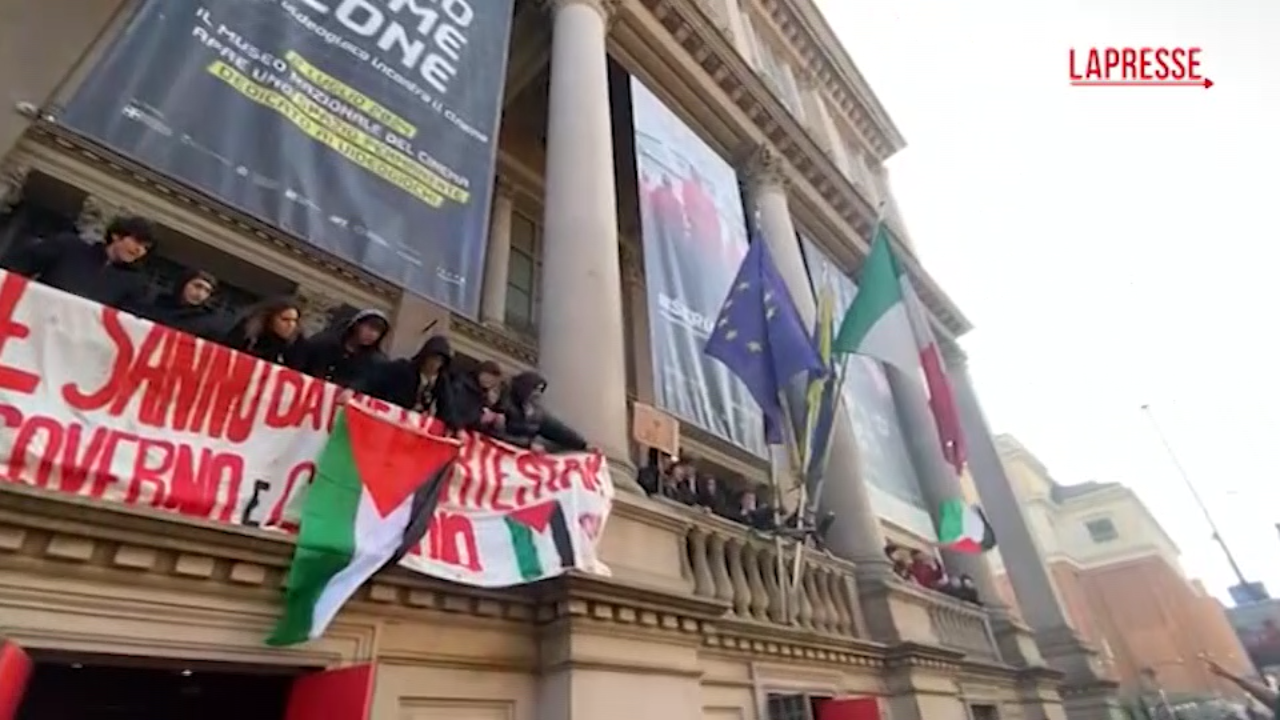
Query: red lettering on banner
point(163, 474)
point(303, 408)
point(297, 479)
point(538, 470)
point(497, 463)
point(12, 288)
point(451, 540)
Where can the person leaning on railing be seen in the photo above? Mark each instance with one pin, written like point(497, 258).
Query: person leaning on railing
point(1256, 688)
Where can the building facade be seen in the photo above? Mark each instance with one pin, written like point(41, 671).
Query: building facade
point(1118, 574)
point(688, 626)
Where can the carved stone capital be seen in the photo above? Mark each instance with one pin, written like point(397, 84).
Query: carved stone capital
point(96, 213)
point(13, 177)
point(763, 167)
point(806, 79)
point(608, 9)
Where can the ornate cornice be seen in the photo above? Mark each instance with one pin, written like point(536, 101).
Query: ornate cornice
point(772, 122)
point(517, 347)
point(806, 31)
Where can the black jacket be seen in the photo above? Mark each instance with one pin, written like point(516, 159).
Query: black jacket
point(400, 382)
point(172, 310)
point(68, 263)
point(526, 423)
point(470, 401)
point(269, 347)
point(327, 356)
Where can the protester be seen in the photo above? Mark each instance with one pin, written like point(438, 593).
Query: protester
point(105, 272)
point(654, 474)
point(187, 307)
point(925, 570)
point(1256, 688)
point(678, 484)
point(527, 423)
point(968, 590)
point(755, 514)
point(421, 383)
point(478, 399)
point(270, 331)
point(349, 353)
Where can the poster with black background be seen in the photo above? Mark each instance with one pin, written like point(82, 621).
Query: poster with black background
point(364, 127)
point(695, 236)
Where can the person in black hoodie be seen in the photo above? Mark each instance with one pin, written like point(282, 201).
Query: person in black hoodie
point(105, 272)
point(478, 399)
point(270, 330)
point(422, 383)
point(349, 355)
point(526, 422)
point(187, 307)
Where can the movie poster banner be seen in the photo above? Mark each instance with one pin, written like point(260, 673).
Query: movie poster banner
point(101, 405)
point(868, 403)
point(364, 127)
point(694, 232)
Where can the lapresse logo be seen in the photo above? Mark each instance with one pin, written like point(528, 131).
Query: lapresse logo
point(1137, 67)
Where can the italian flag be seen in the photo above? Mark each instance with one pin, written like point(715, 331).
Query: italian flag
point(963, 527)
point(888, 322)
point(358, 515)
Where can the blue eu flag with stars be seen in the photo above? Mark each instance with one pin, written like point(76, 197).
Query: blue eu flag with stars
point(760, 337)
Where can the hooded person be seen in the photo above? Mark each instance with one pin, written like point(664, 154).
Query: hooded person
point(348, 355)
point(478, 399)
point(187, 307)
point(105, 272)
point(422, 383)
point(271, 330)
point(525, 421)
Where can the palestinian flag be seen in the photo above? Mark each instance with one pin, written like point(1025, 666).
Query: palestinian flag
point(360, 513)
point(540, 536)
point(964, 528)
point(887, 321)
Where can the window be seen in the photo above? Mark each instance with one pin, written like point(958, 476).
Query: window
point(793, 706)
point(1102, 530)
point(984, 712)
point(522, 274)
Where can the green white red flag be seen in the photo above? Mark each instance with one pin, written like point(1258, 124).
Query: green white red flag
point(888, 322)
point(963, 527)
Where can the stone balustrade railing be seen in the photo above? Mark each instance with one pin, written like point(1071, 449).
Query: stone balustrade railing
point(961, 626)
point(732, 563)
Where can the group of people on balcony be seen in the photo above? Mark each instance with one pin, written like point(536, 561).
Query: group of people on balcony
point(920, 568)
point(348, 353)
point(680, 481)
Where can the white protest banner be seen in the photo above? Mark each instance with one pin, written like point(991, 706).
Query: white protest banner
point(100, 404)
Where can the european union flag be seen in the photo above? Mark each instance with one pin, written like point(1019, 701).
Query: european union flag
point(760, 337)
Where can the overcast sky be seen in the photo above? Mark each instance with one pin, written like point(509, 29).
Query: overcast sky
point(1113, 246)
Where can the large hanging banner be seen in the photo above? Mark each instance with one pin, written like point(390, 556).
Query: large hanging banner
point(365, 127)
point(99, 404)
point(868, 403)
point(694, 232)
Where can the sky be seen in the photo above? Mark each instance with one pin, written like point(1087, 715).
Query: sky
point(1112, 246)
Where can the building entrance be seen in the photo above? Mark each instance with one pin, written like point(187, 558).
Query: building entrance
point(120, 687)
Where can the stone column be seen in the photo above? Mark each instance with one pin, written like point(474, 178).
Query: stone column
point(938, 480)
point(497, 260)
point(1087, 695)
point(856, 534)
point(581, 348)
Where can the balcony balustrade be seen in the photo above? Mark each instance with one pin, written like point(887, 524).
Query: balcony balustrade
point(729, 562)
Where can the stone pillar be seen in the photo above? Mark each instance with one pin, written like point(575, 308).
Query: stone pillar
point(497, 260)
point(581, 347)
point(1086, 694)
point(938, 480)
point(856, 534)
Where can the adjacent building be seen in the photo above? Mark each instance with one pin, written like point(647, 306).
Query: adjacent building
point(530, 231)
point(1117, 572)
